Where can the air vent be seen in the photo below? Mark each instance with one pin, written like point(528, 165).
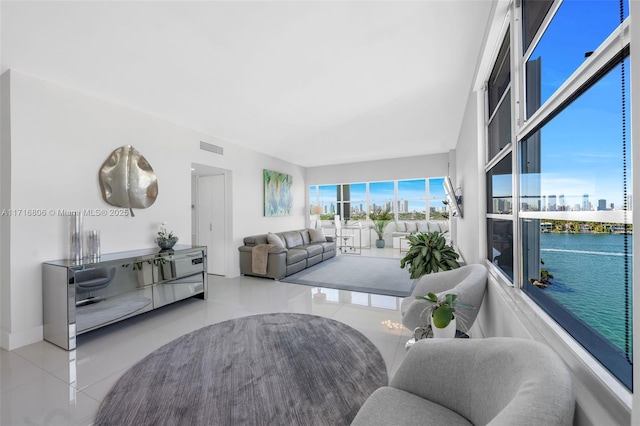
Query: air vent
point(209, 147)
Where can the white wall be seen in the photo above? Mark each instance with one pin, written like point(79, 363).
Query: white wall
point(58, 141)
point(410, 167)
point(469, 178)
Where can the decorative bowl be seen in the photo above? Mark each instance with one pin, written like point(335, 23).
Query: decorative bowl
point(166, 243)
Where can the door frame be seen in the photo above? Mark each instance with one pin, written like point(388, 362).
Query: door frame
point(198, 170)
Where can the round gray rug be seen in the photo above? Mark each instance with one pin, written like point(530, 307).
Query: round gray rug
point(271, 369)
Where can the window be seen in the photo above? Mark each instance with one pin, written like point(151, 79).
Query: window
point(558, 170)
point(352, 201)
point(576, 30)
point(574, 184)
point(499, 163)
point(500, 245)
point(328, 200)
point(381, 196)
point(412, 196)
point(500, 101)
point(355, 201)
point(438, 210)
point(500, 188)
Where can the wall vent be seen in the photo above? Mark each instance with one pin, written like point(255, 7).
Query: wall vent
point(213, 148)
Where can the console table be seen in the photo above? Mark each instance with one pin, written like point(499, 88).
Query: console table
point(78, 297)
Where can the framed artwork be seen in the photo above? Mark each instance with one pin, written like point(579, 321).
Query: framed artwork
point(277, 193)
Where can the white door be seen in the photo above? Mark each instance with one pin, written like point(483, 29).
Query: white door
point(211, 221)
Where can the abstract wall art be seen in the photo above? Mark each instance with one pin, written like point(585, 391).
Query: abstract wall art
point(277, 193)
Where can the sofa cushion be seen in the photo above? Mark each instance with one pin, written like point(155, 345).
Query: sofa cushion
point(317, 236)
point(391, 406)
point(434, 227)
point(411, 227)
point(274, 239)
point(401, 227)
point(292, 239)
point(313, 249)
point(423, 227)
point(295, 255)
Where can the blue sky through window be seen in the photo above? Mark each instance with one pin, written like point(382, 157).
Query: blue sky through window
point(582, 146)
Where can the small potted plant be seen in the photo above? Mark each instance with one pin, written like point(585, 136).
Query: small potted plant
point(380, 221)
point(429, 252)
point(166, 240)
point(441, 312)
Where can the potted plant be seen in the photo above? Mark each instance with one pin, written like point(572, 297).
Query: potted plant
point(429, 252)
point(380, 221)
point(441, 312)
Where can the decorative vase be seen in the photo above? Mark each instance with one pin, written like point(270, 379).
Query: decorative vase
point(380, 243)
point(75, 236)
point(166, 243)
point(449, 332)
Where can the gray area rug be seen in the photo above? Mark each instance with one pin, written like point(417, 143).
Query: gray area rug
point(377, 275)
point(271, 369)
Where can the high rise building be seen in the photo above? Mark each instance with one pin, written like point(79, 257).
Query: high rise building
point(585, 202)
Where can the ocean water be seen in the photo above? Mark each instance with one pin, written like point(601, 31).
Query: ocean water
point(589, 278)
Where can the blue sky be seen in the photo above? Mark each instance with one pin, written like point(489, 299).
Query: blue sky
point(582, 146)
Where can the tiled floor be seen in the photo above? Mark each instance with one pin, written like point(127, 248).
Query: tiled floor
point(42, 384)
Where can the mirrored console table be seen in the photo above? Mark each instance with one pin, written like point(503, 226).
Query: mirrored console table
point(82, 296)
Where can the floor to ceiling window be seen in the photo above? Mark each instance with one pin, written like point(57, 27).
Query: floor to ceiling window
point(499, 163)
point(568, 236)
point(410, 199)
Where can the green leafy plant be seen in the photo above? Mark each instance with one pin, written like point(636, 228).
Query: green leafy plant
point(380, 221)
point(429, 252)
point(442, 307)
point(163, 235)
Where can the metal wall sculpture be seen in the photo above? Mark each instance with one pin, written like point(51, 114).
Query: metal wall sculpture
point(127, 180)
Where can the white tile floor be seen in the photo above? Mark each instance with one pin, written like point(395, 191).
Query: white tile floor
point(42, 384)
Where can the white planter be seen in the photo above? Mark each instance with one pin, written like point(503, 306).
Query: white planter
point(449, 332)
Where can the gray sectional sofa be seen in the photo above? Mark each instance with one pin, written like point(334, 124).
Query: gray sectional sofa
point(300, 249)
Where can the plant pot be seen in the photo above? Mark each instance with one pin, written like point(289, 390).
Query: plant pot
point(166, 243)
point(449, 332)
point(380, 243)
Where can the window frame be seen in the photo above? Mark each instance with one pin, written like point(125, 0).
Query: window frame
point(610, 392)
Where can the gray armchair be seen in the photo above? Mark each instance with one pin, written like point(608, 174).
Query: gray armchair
point(495, 381)
point(469, 282)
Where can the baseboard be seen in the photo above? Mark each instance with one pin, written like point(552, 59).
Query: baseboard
point(11, 341)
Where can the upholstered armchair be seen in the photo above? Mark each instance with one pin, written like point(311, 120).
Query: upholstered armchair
point(468, 282)
point(496, 381)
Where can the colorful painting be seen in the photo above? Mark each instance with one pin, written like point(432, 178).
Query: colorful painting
point(277, 193)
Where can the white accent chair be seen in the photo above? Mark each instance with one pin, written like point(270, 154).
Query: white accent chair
point(468, 282)
point(495, 381)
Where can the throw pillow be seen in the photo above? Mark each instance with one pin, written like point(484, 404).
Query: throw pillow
point(423, 227)
point(274, 239)
point(411, 227)
point(400, 227)
point(317, 236)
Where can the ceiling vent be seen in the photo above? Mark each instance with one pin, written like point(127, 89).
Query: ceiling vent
point(209, 147)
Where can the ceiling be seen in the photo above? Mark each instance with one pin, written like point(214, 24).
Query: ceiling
point(314, 83)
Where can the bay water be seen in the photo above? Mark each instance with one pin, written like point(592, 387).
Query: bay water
point(589, 278)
